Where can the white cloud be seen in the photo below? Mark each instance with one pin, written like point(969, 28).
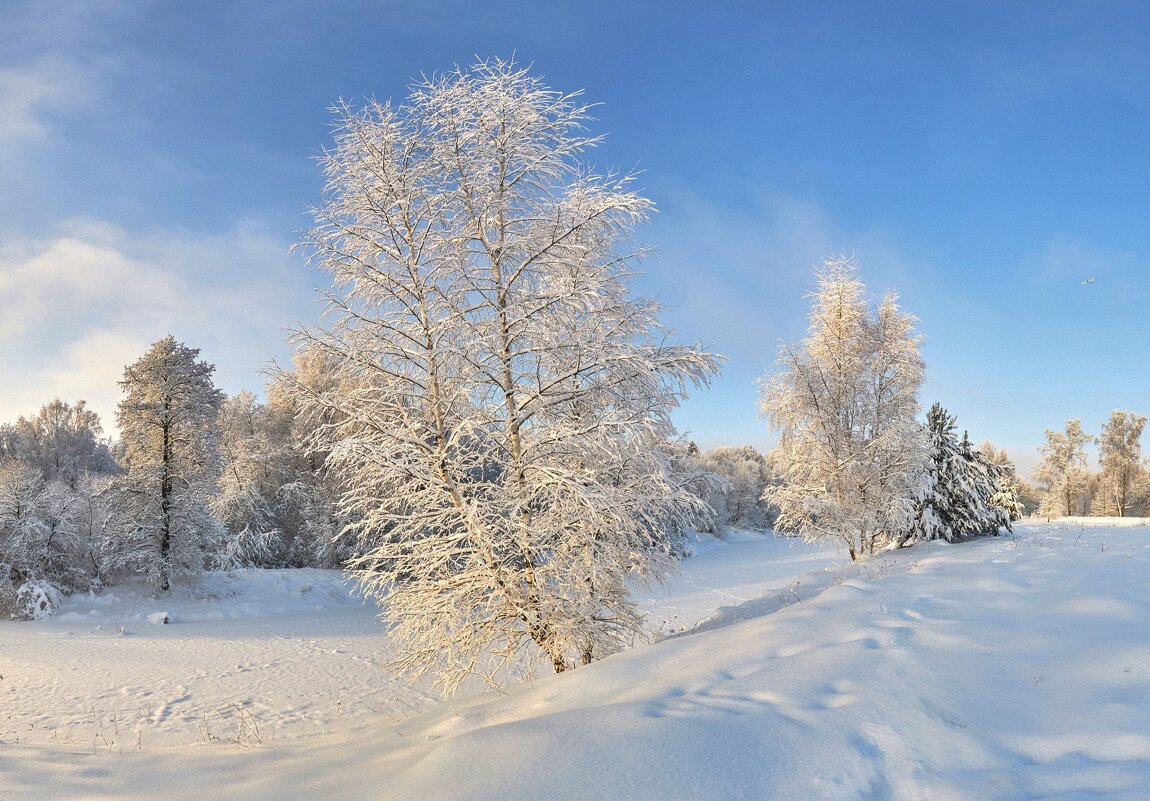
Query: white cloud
point(49, 289)
point(27, 95)
point(86, 368)
point(77, 307)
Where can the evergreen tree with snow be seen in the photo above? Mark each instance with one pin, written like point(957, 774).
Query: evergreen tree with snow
point(169, 427)
point(959, 489)
point(983, 484)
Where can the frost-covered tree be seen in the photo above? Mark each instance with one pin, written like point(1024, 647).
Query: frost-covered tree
point(992, 502)
point(844, 403)
point(168, 422)
point(9, 442)
point(63, 441)
point(91, 515)
point(23, 535)
point(1019, 496)
point(1123, 483)
point(52, 507)
point(497, 408)
point(962, 493)
point(251, 472)
point(737, 500)
point(41, 546)
point(1012, 494)
point(271, 501)
point(1062, 469)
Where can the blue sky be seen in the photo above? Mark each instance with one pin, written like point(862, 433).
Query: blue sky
point(982, 159)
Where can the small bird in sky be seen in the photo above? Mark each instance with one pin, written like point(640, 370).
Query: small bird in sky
point(1088, 281)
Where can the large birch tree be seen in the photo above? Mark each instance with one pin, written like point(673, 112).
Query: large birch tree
point(497, 412)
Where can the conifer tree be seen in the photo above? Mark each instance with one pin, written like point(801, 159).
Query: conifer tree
point(960, 487)
point(170, 433)
point(982, 484)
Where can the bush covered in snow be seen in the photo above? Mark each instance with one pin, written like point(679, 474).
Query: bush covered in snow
point(36, 600)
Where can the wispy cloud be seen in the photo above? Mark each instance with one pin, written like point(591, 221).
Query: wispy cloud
point(29, 95)
point(1068, 260)
point(58, 66)
point(77, 307)
point(759, 262)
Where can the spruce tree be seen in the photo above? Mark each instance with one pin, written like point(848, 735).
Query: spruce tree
point(168, 423)
point(959, 487)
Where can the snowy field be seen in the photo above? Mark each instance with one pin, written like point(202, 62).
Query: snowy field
point(1006, 668)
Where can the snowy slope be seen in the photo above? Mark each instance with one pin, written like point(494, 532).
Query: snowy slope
point(1012, 668)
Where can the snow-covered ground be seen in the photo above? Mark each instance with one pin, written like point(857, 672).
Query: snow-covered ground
point(1006, 668)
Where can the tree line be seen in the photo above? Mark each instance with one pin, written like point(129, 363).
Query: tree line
point(1120, 488)
point(196, 481)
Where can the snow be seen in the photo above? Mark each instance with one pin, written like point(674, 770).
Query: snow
point(1001, 668)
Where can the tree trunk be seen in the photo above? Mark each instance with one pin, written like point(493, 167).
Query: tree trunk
point(165, 511)
point(587, 654)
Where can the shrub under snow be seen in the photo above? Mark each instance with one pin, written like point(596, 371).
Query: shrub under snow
point(37, 599)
